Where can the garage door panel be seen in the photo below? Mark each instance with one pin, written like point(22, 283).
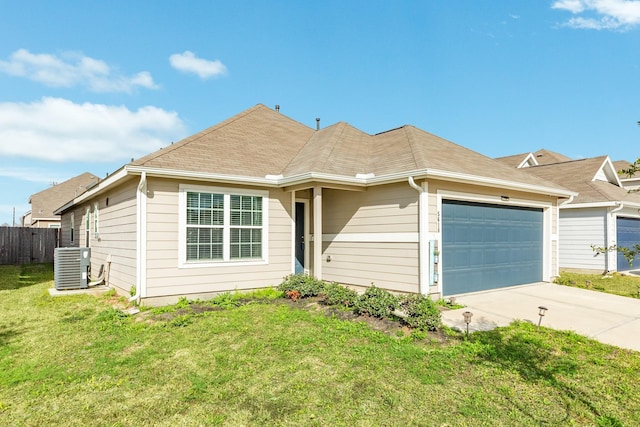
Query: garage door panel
point(489, 246)
point(627, 235)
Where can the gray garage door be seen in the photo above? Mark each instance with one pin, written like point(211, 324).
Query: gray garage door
point(627, 235)
point(487, 246)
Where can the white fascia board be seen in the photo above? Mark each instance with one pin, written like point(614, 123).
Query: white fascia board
point(202, 176)
point(528, 160)
point(594, 205)
point(499, 183)
point(612, 175)
point(280, 181)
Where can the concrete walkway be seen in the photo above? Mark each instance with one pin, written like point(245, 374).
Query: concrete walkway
point(610, 319)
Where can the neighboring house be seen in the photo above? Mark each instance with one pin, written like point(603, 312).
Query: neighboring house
point(540, 157)
point(45, 202)
point(259, 196)
point(603, 214)
point(629, 182)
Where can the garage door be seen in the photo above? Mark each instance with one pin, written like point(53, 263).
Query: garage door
point(487, 246)
point(627, 235)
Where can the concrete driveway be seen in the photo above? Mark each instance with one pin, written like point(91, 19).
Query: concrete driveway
point(607, 318)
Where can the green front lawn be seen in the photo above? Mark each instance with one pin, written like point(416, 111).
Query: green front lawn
point(77, 361)
point(615, 283)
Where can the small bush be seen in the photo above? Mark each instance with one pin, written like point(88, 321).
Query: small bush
point(335, 294)
point(376, 302)
point(226, 300)
point(308, 286)
point(422, 313)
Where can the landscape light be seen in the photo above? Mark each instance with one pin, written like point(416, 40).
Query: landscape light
point(467, 319)
point(542, 310)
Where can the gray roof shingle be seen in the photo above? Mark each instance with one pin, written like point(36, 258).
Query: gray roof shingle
point(261, 141)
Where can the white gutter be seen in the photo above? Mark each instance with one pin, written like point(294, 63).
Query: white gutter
point(362, 180)
point(611, 224)
point(602, 205)
point(141, 239)
point(423, 243)
point(568, 201)
point(619, 208)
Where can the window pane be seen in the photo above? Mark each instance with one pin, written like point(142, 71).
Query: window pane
point(192, 200)
point(205, 200)
point(204, 243)
point(235, 202)
point(246, 210)
point(246, 243)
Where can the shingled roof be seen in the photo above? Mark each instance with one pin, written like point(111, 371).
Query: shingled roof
point(261, 142)
point(45, 202)
point(540, 157)
point(584, 177)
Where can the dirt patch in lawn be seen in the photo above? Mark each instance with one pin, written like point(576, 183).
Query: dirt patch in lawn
point(392, 327)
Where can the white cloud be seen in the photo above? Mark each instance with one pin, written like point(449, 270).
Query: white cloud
point(73, 70)
point(573, 6)
point(601, 14)
point(56, 129)
point(189, 63)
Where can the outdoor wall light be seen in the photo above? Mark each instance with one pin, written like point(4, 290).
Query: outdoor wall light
point(467, 319)
point(542, 310)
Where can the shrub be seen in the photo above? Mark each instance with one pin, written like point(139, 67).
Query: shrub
point(308, 286)
point(376, 302)
point(421, 312)
point(335, 294)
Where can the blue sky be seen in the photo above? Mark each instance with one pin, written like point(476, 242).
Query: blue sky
point(86, 86)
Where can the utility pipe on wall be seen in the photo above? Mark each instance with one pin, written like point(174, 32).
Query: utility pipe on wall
point(141, 237)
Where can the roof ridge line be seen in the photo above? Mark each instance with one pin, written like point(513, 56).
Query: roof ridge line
point(340, 128)
point(411, 140)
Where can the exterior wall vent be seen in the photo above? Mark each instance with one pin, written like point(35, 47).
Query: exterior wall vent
point(71, 268)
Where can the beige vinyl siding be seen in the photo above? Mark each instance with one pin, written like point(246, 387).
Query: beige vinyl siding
point(166, 278)
point(65, 232)
point(117, 235)
point(362, 217)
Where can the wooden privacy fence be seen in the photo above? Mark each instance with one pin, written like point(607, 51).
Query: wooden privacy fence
point(24, 245)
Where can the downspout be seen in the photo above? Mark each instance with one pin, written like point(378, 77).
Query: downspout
point(569, 200)
point(611, 221)
point(141, 237)
point(423, 243)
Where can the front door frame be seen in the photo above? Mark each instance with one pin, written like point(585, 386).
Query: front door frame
point(306, 235)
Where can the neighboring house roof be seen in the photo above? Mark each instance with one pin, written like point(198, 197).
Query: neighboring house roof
point(594, 179)
point(519, 160)
point(547, 157)
point(540, 157)
point(260, 146)
point(622, 165)
point(45, 202)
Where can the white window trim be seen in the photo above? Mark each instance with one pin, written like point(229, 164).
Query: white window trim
point(72, 231)
point(96, 220)
point(87, 219)
point(226, 191)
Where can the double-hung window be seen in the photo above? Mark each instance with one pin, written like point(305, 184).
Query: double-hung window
point(222, 225)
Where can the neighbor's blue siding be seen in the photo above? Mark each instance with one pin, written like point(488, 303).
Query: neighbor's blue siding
point(627, 235)
point(487, 246)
